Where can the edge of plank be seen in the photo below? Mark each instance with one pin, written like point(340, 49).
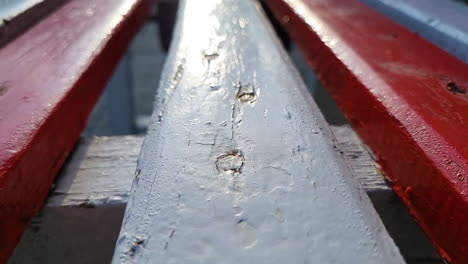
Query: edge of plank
point(393, 106)
point(51, 77)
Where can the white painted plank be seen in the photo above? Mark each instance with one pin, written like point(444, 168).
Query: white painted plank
point(238, 165)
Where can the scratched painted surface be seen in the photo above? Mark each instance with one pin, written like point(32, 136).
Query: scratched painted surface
point(406, 98)
point(238, 165)
point(50, 78)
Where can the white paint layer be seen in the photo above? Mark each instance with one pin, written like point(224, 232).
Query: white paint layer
point(238, 165)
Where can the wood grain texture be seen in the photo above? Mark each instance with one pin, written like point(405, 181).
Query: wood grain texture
point(84, 210)
point(405, 97)
point(360, 159)
point(51, 76)
point(99, 173)
point(238, 165)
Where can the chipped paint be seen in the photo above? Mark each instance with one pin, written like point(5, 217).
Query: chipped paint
point(245, 197)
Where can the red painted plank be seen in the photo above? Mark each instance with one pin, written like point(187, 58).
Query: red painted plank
point(50, 78)
point(405, 97)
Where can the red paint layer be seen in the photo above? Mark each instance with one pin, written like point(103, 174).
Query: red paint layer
point(406, 98)
point(50, 79)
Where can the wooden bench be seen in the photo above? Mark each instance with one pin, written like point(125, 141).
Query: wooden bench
point(238, 164)
point(51, 77)
point(85, 209)
point(405, 97)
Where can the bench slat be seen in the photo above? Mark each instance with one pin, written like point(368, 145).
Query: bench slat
point(238, 165)
point(50, 78)
point(405, 97)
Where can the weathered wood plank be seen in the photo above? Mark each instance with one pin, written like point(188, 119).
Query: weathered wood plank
point(405, 97)
point(360, 159)
point(84, 211)
point(100, 172)
point(238, 165)
point(50, 78)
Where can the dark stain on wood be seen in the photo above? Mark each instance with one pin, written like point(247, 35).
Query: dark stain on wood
point(454, 88)
point(3, 88)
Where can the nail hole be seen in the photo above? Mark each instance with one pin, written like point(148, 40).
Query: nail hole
point(3, 88)
point(454, 88)
point(246, 93)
